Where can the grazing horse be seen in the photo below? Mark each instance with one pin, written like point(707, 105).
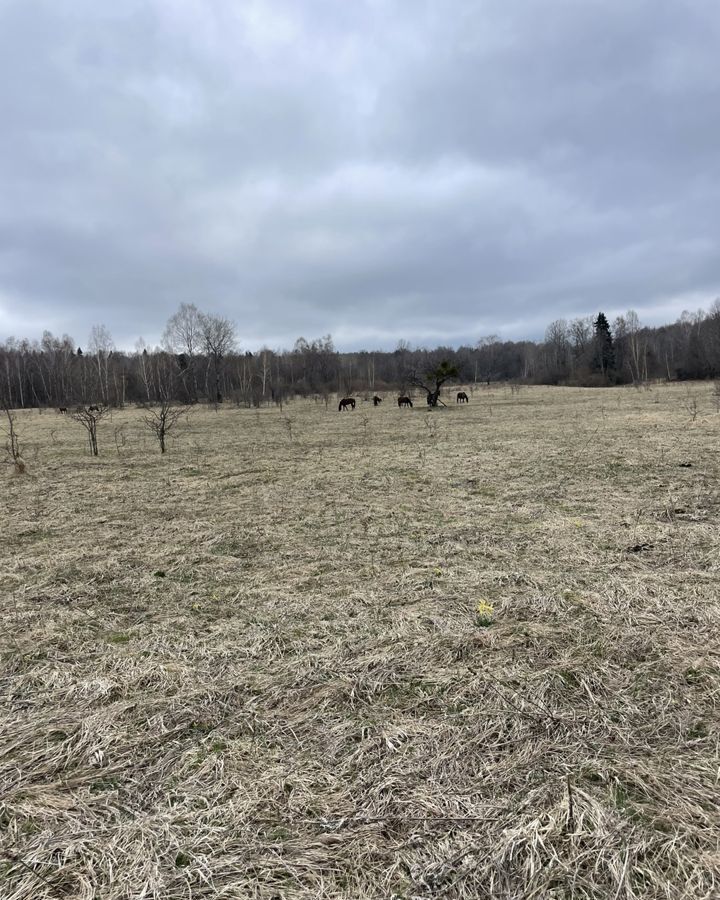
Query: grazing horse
point(346, 403)
point(62, 410)
point(404, 401)
point(377, 400)
point(462, 397)
point(93, 409)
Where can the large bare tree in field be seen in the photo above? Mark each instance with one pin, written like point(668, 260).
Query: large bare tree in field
point(218, 337)
point(431, 382)
point(183, 337)
point(183, 332)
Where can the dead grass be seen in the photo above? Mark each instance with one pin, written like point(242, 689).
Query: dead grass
point(256, 669)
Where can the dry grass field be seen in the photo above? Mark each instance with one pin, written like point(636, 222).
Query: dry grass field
point(255, 667)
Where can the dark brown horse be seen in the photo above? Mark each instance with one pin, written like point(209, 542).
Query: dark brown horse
point(377, 400)
point(93, 409)
point(404, 401)
point(462, 397)
point(62, 410)
point(346, 403)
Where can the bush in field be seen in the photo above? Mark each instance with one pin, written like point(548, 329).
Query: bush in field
point(162, 419)
point(89, 419)
point(12, 446)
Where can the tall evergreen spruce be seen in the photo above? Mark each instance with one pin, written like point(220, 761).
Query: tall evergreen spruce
point(604, 360)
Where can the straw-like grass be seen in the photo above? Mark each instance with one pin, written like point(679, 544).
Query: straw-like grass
point(255, 667)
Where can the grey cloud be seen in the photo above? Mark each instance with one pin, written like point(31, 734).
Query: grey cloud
point(369, 169)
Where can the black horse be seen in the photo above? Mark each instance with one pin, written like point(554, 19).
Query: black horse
point(377, 400)
point(404, 401)
point(346, 403)
point(93, 409)
point(462, 397)
point(62, 410)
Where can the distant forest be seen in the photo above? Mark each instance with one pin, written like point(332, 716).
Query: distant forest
point(199, 361)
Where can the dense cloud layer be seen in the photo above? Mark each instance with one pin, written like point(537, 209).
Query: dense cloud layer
point(430, 171)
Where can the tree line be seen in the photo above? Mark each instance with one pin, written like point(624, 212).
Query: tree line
point(199, 361)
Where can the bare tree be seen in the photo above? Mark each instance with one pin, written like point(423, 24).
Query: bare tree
point(638, 357)
point(101, 345)
point(557, 349)
point(580, 334)
point(487, 351)
point(437, 378)
point(580, 331)
point(89, 420)
point(371, 372)
point(143, 358)
point(161, 420)
point(265, 371)
point(164, 376)
point(183, 332)
point(12, 446)
point(218, 339)
point(183, 337)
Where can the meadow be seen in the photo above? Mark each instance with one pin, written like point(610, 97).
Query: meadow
point(472, 652)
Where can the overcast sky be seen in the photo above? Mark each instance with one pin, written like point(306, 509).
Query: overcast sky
point(431, 170)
